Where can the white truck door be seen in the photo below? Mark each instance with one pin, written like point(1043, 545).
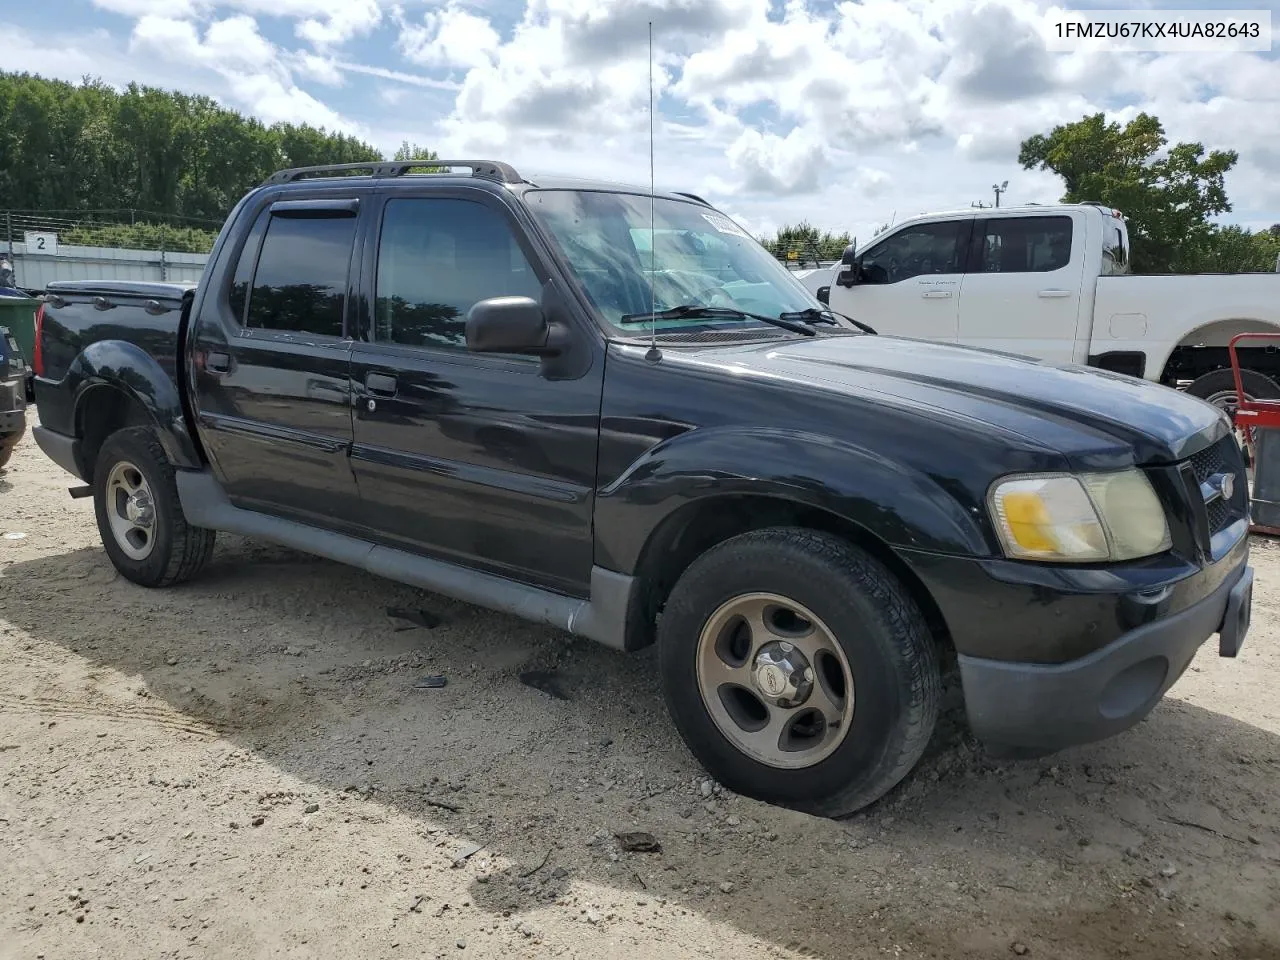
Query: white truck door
point(1021, 293)
point(908, 283)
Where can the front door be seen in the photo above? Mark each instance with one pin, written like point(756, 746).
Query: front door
point(474, 458)
point(1021, 293)
point(909, 284)
point(272, 366)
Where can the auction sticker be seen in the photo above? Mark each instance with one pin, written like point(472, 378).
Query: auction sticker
point(723, 224)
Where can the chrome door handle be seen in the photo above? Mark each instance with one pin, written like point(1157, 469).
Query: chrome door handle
point(1054, 293)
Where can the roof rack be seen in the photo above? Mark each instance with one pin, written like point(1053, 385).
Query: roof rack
point(692, 196)
point(486, 169)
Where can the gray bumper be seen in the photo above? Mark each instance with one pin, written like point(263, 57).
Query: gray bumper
point(59, 448)
point(1047, 707)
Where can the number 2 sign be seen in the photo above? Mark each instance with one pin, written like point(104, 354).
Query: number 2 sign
point(46, 243)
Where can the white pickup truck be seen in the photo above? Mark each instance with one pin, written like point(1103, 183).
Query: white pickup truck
point(1053, 282)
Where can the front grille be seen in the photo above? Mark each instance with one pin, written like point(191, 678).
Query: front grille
point(1223, 457)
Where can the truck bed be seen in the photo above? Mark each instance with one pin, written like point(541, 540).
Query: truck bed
point(80, 313)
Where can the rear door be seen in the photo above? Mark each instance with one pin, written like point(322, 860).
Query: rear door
point(478, 459)
point(272, 364)
point(1021, 292)
point(909, 283)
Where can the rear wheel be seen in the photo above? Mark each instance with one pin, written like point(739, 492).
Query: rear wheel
point(140, 518)
point(1219, 388)
point(798, 670)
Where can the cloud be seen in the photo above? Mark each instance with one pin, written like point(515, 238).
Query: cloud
point(786, 165)
point(253, 69)
point(451, 37)
point(839, 111)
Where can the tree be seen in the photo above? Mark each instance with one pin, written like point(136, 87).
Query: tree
point(1167, 196)
point(1236, 250)
point(88, 149)
point(803, 241)
point(411, 151)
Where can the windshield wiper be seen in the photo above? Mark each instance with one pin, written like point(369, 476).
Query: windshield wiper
point(696, 311)
point(825, 315)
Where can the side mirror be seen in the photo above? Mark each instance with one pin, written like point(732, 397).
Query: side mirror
point(850, 270)
point(824, 295)
point(509, 325)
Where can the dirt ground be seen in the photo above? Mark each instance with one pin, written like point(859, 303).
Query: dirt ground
point(246, 766)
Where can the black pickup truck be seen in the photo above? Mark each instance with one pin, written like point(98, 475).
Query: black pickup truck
point(13, 394)
point(619, 415)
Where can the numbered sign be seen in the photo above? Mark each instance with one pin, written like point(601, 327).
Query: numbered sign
point(41, 243)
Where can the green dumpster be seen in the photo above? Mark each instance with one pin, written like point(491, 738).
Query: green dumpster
point(18, 313)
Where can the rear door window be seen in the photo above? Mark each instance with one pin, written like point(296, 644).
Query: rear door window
point(1025, 245)
point(300, 283)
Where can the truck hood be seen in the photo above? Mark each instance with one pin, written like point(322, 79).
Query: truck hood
point(1093, 417)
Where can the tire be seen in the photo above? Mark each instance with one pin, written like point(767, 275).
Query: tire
point(887, 647)
point(1219, 386)
point(172, 551)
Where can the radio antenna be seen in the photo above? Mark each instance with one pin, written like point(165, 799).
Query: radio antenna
point(653, 353)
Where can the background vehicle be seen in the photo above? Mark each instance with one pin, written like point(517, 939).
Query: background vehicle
point(1053, 282)
point(617, 414)
point(13, 394)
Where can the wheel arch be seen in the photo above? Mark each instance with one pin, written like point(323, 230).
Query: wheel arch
point(1204, 348)
point(116, 385)
point(695, 527)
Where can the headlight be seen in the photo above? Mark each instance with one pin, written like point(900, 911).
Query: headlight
point(1079, 518)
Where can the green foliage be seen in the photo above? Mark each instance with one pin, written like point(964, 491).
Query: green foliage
point(75, 148)
point(411, 151)
point(1167, 195)
point(1232, 250)
point(139, 236)
point(803, 241)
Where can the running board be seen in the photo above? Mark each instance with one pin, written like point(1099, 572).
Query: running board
point(603, 618)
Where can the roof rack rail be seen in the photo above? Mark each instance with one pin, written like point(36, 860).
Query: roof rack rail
point(692, 196)
point(487, 169)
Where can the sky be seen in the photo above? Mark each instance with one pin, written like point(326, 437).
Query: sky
point(845, 114)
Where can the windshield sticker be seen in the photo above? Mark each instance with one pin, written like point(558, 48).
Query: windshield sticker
point(723, 224)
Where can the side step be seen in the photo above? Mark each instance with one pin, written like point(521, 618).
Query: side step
point(602, 618)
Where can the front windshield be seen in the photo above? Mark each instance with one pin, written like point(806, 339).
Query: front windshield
point(702, 259)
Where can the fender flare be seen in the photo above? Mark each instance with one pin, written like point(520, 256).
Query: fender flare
point(127, 368)
point(902, 507)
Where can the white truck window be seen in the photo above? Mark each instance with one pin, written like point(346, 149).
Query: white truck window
point(1025, 245)
point(924, 249)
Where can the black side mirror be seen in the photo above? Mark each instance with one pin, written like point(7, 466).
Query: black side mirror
point(824, 295)
point(509, 325)
point(850, 272)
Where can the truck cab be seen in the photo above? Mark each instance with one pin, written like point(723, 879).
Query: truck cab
point(1014, 279)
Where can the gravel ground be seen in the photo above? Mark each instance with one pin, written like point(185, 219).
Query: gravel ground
point(246, 766)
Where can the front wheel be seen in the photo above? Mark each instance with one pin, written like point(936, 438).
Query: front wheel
point(140, 518)
point(798, 670)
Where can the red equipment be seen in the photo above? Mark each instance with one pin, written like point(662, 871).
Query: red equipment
point(1257, 419)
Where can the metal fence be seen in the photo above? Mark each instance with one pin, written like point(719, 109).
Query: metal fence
point(103, 245)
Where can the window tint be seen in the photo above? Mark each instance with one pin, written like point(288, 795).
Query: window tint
point(1025, 245)
point(244, 266)
point(301, 281)
point(925, 249)
point(436, 258)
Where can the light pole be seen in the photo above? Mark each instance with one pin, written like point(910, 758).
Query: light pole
point(999, 188)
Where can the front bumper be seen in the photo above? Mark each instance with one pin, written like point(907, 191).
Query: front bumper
point(1048, 706)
